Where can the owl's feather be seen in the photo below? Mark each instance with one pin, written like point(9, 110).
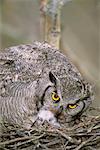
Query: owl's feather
point(26, 83)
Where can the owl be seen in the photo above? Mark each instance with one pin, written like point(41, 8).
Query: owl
point(38, 83)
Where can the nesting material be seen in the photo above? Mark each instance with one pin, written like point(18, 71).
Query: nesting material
point(83, 135)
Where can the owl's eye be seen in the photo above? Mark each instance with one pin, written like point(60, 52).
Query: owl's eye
point(72, 106)
point(55, 97)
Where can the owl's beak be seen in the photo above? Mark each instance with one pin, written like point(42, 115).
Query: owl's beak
point(62, 104)
point(61, 108)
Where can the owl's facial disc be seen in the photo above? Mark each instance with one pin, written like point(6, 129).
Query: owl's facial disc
point(74, 109)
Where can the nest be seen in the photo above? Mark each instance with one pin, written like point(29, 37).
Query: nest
point(83, 135)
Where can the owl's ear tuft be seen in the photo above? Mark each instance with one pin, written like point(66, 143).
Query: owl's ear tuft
point(52, 78)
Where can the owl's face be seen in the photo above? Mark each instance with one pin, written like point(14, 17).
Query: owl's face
point(59, 101)
point(76, 99)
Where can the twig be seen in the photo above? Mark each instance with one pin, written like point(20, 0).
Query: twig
point(85, 134)
point(45, 147)
point(70, 147)
point(90, 129)
point(84, 143)
point(91, 148)
point(25, 142)
point(54, 142)
point(94, 141)
point(21, 139)
point(67, 137)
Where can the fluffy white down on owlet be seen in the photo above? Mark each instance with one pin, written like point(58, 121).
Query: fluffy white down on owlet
point(47, 115)
point(37, 82)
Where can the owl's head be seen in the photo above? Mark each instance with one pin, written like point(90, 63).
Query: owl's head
point(70, 99)
point(76, 99)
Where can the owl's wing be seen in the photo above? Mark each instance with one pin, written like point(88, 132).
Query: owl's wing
point(6, 71)
point(15, 66)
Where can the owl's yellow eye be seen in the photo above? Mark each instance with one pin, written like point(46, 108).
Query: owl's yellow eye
point(72, 106)
point(55, 97)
